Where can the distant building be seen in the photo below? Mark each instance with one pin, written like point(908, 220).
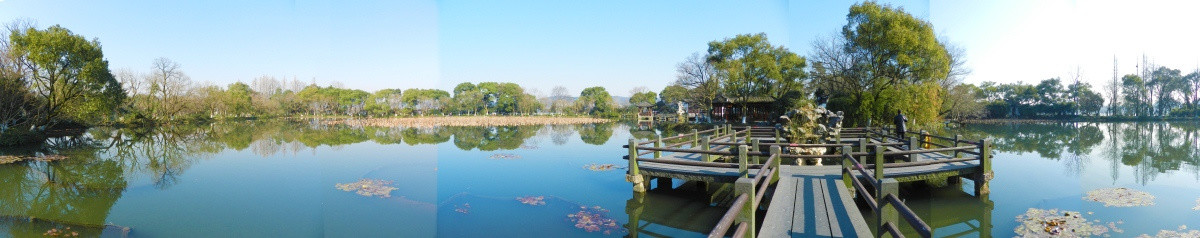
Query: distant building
point(758, 109)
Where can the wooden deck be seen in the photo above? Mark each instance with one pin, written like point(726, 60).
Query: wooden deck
point(810, 201)
point(813, 206)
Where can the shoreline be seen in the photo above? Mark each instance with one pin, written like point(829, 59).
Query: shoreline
point(1074, 120)
point(464, 121)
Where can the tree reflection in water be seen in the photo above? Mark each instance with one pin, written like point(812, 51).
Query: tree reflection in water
point(1150, 148)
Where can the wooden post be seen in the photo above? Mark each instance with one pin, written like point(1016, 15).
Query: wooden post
point(848, 166)
point(634, 175)
point(748, 132)
point(695, 138)
point(957, 138)
point(985, 168)
point(887, 211)
point(776, 151)
point(913, 144)
point(658, 143)
point(746, 186)
point(634, 207)
point(743, 166)
point(862, 147)
point(878, 161)
point(754, 147)
point(704, 146)
point(778, 139)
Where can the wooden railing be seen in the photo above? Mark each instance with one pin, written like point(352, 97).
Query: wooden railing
point(885, 202)
point(750, 192)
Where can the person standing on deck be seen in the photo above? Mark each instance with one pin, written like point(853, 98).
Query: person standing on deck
point(900, 120)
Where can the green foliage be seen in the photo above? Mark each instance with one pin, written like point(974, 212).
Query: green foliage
point(594, 101)
point(884, 60)
point(70, 74)
point(1048, 99)
point(643, 97)
point(237, 99)
point(751, 67)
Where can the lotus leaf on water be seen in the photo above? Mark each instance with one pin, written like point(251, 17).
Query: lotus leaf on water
point(1120, 197)
point(594, 219)
point(8, 159)
point(601, 167)
point(529, 147)
point(1182, 232)
point(464, 209)
point(1043, 223)
point(504, 156)
point(369, 187)
point(1197, 207)
point(532, 201)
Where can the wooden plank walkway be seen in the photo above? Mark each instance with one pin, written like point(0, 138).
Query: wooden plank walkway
point(813, 206)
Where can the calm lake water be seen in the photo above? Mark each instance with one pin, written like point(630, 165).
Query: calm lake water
point(278, 179)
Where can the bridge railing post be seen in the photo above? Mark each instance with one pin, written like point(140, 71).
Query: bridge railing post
point(635, 176)
point(913, 144)
point(658, 143)
point(776, 151)
point(985, 168)
point(746, 186)
point(847, 166)
point(754, 147)
point(704, 146)
point(887, 211)
point(695, 138)
point(957, 139)
point(862, 147)
point(743, 160)
point(878, 154)
point(778, 139)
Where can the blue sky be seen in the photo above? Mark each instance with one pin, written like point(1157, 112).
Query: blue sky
point(616, 44)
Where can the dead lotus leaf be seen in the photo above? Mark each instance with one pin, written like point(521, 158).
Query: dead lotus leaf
point(1120, 197)
point(369, 188)
point(1044, 223)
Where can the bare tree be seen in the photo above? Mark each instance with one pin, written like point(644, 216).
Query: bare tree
point(700, 78)
point(558, 99)
point(266, 85)
point(1114, 90)
point(167, 86)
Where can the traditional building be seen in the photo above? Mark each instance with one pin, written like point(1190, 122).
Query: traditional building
point(758, 109)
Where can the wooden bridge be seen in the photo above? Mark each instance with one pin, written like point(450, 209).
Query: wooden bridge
point(865, 166)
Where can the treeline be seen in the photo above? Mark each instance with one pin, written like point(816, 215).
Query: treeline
point(52, 78)
point(1157, 93)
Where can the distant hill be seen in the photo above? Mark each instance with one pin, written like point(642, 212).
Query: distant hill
point(621, 101)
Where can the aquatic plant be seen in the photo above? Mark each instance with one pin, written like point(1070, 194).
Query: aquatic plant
point(530, 147)
point(594, 219)
point(1183, 232)
point(369, 187)
point(1120, 197)
point(532, 201)
point(55, 232)
point(1043, 223)
point(504, 156)
point(464, 209)
point(601, 167)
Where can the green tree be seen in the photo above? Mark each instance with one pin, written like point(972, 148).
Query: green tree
point(643, 97)
point(885, 59)
point(67, 73)
point(753, 67)
point(594, 101)
point(237, 99)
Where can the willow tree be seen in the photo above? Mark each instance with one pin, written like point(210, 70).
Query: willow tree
point(884, 60)
point(67, 73)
